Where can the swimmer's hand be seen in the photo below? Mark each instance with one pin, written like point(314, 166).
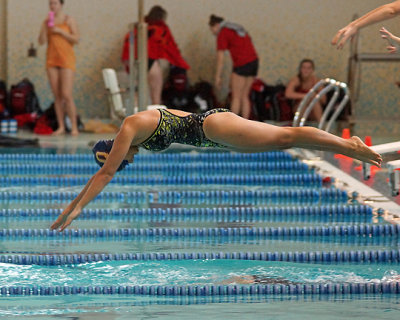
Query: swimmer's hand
point(65, 219)
point(343, 35)
point(393, 40)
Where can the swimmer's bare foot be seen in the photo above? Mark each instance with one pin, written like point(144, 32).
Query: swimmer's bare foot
point(74, 133)
point(58, 132)
point(359, 150)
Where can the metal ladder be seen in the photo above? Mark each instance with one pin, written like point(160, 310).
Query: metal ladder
point(308, 103)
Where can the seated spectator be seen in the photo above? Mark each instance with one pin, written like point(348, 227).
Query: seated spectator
point(299, 86)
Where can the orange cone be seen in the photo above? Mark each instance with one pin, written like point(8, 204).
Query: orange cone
point(346, 133)
point(368, 141)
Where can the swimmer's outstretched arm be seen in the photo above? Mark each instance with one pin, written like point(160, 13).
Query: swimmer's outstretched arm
point(381, 13)
point(97, 183)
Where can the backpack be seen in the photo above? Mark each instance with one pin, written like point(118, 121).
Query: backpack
point(176, 93)
point(282, 106)
point(269, 102)
point(3, 100)
point(203, 97)
point(23, 98)
point(262, 108)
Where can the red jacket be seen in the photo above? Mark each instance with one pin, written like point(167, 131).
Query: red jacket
point(160, 45)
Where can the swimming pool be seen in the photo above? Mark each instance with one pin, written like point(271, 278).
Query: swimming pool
point(179, 230)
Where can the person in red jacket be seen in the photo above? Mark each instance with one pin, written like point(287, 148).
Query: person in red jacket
point(233, 37)
point(160, 45)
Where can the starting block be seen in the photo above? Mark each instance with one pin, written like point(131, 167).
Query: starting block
point(382, 149)
point(394, 176)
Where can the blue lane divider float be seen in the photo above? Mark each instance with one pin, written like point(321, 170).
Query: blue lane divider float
point(287, 195)
point(261, 232)
point(254, 196)
point(131, 197)
point(308, 180)
point(160, 168)
point(163, 157)
point(208, 290)
point(224, 220)
point(251, 212)
point(356, 256)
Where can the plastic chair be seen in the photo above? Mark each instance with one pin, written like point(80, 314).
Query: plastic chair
point(117, 110)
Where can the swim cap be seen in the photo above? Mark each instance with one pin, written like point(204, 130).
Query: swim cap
point(102, 149)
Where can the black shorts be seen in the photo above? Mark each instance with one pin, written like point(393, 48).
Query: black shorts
point(248, 70)
point(150, 64)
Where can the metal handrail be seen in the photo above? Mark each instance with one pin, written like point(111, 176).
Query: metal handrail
point(308, 105)
point(306, 99)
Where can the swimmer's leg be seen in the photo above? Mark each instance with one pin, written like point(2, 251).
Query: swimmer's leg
point(252, 136)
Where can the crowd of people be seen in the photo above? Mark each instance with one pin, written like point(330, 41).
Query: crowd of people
point(60, 32)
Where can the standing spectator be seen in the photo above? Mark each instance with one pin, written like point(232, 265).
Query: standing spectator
point(233, 37)
point(301, 84)
point(60, 32)
point(160, 45)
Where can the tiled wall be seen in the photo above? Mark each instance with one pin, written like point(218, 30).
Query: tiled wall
point(284, 32)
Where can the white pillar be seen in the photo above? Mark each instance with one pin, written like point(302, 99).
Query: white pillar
point(142, 59)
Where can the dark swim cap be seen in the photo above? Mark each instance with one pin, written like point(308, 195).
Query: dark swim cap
point(102, 149)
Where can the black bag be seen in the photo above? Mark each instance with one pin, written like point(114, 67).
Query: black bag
point(269, 102)
point(176, 92)
point(203, 97)
point(23, 98)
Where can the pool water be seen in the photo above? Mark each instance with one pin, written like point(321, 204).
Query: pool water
point(226, 194)
point(192, 272)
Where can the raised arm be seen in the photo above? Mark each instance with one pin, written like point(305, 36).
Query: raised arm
point(381, 13)
point(290, 92)
point(96, 184)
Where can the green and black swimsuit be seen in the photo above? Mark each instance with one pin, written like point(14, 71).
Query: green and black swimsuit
point(186, 130)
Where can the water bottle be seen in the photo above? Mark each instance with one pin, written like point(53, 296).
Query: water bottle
point(4, 126)
point(12, 126)
point(50, 20)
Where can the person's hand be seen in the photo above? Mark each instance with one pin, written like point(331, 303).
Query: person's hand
point(218, 83)
point(391, 49)
point(65, 219)
point(57, 30)
point(341, 37)
point(385, 34)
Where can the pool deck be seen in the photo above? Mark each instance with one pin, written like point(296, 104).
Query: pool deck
point(378, 198)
